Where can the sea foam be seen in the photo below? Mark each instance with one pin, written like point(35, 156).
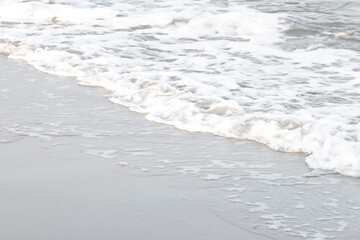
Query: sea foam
point(202, 67)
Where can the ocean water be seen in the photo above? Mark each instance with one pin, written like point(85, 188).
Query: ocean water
point(283, 73)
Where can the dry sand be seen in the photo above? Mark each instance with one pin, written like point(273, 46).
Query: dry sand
point(75, 166)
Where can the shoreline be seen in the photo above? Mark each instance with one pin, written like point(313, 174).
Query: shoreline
point(76, 166)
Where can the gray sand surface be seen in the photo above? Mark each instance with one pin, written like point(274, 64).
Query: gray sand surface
point(75, 166)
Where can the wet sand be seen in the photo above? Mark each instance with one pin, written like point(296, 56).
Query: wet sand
point(75, 166)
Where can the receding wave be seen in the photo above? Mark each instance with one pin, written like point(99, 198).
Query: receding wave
point(222, 69)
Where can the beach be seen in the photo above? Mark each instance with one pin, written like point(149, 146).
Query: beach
point(198, 120)
point(76, 166)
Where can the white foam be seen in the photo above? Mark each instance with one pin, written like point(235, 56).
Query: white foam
point(202, 68)
point(39, 13)
point(123, 164)
point(102, 153)
point(257, 207)
point(212, 177)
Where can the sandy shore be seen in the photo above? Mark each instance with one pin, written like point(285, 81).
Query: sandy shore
point(75, 166)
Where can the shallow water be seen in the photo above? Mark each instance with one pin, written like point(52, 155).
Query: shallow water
point(285, 74)
point(74, 166)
